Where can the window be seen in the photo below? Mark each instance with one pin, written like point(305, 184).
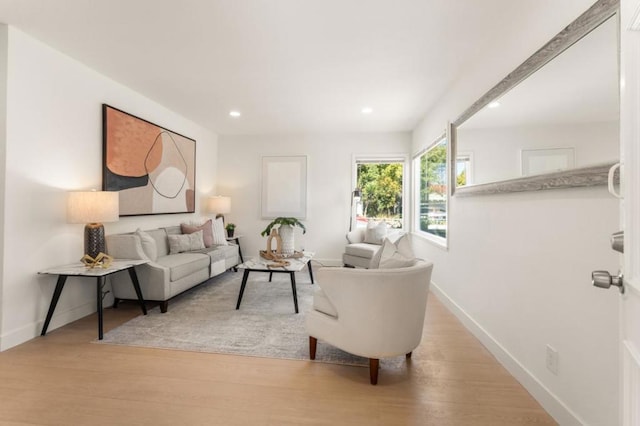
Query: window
point(381, 184)
point(431, 186)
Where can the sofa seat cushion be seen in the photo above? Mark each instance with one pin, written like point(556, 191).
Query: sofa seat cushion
point(362, 250)
point(184, 264)
point(322, 304)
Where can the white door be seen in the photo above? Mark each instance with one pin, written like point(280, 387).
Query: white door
point(630, 142)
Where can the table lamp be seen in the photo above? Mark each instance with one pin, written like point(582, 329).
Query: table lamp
point(220, 205)
point(92, 208)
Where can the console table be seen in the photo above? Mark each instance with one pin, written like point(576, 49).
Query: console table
point(80, 270)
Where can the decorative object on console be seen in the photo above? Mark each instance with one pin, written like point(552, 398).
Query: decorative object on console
point(230, 227)
point(153, 168)
point(101, 261)
point(220, 205)
point(92, 208)
point(285, 230)
point(355, 195)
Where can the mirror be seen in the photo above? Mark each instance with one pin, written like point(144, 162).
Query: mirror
point(553, 122)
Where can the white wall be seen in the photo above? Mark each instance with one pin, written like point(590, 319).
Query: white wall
point(517, 270)
point(497, 151)
point(330, 166)
point(54, 144)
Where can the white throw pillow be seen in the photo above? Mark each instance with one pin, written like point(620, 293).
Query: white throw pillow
point(398, 255)
point(179, 243)
point(375, 232)
point(149, 246)
point(219, 236)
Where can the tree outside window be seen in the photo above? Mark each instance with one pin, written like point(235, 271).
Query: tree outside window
point(381, 186)
point(433, 190)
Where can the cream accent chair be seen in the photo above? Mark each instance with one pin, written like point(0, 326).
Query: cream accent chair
point(373, 313)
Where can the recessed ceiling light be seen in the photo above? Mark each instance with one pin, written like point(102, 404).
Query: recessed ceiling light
point(494, 104)
point(367, 110)
point(234, 113)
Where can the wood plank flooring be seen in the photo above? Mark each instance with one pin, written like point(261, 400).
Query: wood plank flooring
point(64, 379)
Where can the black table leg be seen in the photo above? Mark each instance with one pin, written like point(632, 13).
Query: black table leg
point(310, 271)
point(99, 296)
point(270, 276)
point(136, 286)
point(239, 250)
point(293, 289)
point(54, 302)
point(244, 284)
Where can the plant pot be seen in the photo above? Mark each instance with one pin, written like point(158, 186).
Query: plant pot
point(287, 235)
point(230, 233)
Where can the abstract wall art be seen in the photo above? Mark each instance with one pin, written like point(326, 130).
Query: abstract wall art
point(153, 168)
point(284, 186)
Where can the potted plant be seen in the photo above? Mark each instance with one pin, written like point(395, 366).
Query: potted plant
point(285, 229)
point(230, 229)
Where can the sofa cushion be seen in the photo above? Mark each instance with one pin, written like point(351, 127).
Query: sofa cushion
point(185, 242)
point(219, 236)
point(206, 228)
point(149, 245)
point(184, 264)
point(361, 250)
point(398, 254)
point(321, 303)
point(375, 232)
point(160, 235)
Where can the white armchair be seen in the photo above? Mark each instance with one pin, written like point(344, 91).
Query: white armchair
point(373, 313)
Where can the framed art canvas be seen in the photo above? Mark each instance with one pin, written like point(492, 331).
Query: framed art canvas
point(284, 187)
point(153, 168)
point(539, 161)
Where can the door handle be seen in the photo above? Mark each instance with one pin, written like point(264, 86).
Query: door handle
point(603, 279)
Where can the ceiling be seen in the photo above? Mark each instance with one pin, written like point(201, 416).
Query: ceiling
point(289, 66)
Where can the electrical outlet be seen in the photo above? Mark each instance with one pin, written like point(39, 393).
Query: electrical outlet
point(552, 360)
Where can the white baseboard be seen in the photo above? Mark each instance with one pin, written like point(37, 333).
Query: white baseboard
point(60, 318)
point(550, 402)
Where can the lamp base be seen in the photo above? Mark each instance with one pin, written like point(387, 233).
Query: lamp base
point(94, 239)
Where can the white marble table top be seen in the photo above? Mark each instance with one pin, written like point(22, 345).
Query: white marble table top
point(261, 264)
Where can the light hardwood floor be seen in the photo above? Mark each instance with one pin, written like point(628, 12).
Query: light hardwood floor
point(64, 379)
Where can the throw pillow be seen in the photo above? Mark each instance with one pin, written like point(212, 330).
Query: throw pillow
point(398, 254)
point(219, 236)
point(375, 232)
point(185, 242)
point(207, 231)
point(149, 246)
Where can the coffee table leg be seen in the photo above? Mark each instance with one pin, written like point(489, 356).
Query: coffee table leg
point(270, 276)
point(244, 284)
point(293, 289)
point(310, 271)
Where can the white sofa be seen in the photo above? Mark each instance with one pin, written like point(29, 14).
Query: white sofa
point(373, 313)
point(169, 274)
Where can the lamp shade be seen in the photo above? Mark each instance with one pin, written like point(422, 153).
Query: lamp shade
point(93, 206)
point(219, 204)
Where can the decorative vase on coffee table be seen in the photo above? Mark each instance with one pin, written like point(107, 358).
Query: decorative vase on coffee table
point(286, 233)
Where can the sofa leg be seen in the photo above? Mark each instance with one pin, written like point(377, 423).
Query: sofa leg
point(313, 343)
point(116, 302)
point(409, 355)
point(373, 370)
point(164, 306)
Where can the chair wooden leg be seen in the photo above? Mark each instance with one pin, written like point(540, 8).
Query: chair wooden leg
point(313, 343)
point(409, 355)
point(373, 370)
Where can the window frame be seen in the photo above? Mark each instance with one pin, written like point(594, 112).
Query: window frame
point(406, 182)
point(441, 242)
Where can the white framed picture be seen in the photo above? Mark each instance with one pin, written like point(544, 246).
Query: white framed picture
point(284, 186)
point(539, 161)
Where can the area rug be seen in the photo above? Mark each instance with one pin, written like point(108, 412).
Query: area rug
point(204, 319)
